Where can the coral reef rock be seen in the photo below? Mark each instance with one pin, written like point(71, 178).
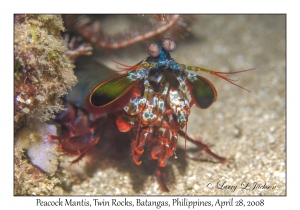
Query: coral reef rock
point(42, 70)
point(36, 160)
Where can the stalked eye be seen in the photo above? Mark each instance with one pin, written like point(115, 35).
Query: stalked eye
point(168, 44)
point(153, 49)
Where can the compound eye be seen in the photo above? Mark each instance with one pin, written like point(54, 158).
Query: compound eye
point(168, 44)
point(153, 49)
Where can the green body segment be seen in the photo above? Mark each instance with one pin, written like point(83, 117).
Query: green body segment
point(202, 91)
point(110, 90)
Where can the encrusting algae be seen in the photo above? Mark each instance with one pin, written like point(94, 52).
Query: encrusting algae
point(42, 70)
point(43, 74)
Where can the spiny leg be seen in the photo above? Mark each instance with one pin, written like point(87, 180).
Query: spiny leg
point(161, 180)
point(163, 149)
point(142, 140)
point(80, 137)
point(202, 147)
point(173, 144)
point(85, 150)
point(137, 145)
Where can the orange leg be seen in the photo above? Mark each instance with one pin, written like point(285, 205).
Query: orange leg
point(85, 150)
point(137, 146)
point(161, 179)
point(202, 147)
